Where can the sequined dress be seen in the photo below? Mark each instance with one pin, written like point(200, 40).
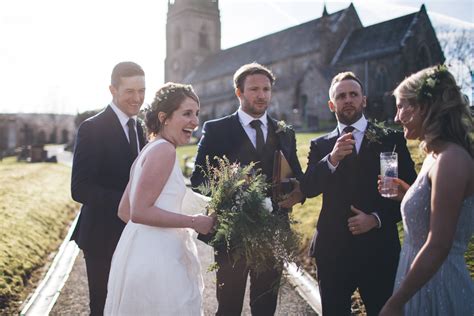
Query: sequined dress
point(451, 290)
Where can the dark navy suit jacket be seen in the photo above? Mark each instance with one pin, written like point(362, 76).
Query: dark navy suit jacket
point(356, 185)
point(226, 137)
point(100, 173)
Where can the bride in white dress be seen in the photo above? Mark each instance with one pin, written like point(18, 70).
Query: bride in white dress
point(155, 269)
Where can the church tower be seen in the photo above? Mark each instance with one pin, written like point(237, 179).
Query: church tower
point(193, 32)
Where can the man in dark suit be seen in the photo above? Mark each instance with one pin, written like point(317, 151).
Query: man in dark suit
point(248, 135)
point(106, 146)
point(356, 242)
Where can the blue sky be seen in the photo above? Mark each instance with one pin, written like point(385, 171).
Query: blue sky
point(57, 55)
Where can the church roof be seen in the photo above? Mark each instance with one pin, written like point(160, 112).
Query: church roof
point(375, 41)
point(298, 40)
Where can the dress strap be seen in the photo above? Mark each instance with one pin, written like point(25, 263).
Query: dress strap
point(149, 146)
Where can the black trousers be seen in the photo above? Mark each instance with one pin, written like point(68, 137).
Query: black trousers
point(98, 268)
point(231, 283)
point(339, 278)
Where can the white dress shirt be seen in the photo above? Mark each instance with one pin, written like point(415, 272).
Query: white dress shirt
point(123, 118)
point(357, 133)
point(245, 120)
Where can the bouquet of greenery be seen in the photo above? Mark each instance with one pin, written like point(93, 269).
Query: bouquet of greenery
point(246, 226)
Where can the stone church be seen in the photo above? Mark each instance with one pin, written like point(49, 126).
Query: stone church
point(304, 58)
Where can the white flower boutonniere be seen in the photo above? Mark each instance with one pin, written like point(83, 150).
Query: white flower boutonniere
point(282, 127)
point(267, 204)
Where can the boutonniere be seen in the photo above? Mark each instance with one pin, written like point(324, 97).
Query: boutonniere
point(376, 131)
point(282, 127)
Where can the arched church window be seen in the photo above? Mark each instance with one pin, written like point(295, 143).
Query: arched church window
point(177, 43)
point(381, 80)
point(423, 57)
point(203, 38)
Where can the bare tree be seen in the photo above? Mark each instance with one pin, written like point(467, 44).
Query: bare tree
point(458, 47)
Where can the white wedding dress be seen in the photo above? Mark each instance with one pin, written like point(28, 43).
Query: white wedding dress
point(155, 270)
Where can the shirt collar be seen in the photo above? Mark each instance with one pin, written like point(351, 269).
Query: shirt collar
point(360, 125)
point(123, 118)
point(245, 119)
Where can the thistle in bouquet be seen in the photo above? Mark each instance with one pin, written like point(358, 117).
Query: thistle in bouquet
point(247, 228)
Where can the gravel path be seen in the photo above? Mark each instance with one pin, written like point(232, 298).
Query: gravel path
point(74, 297)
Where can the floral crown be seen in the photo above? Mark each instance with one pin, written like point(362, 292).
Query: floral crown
point(430, 80)
point(163, 93)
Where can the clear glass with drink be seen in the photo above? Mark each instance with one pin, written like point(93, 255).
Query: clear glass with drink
point(388, 171)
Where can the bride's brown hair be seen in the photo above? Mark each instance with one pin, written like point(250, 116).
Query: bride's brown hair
point(167, 100)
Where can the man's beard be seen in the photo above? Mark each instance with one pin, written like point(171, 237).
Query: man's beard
point(254, 109)
point(349, 119)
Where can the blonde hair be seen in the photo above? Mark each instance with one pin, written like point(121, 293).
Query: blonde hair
point(447, 116)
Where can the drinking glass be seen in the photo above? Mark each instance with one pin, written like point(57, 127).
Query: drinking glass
point(388, 171)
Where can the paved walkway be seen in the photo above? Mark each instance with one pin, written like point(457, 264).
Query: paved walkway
point(73, 298)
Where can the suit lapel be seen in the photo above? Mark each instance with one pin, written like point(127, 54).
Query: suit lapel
point(271, 133)
point(141, 136)
point(332, 138)
point(365, 142)
point(283, 139)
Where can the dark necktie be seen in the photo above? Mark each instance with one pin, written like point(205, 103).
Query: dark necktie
point(132, 136)
point(260, 142)
point(350, 129)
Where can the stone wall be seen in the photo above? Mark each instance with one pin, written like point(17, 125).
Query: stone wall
point(23, 129)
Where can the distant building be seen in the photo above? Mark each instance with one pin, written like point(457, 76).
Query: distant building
point(304, 58)
point(21, 129)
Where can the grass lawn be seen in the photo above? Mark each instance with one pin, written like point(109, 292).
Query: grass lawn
point(35, 210)
point(307, 214)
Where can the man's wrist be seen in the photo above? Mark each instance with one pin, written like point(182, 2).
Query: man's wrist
point(331, 165)
point(331, 161)
point(378, 223)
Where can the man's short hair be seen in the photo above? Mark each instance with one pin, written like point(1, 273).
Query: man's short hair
point(125, 69)
point(251, 69)
point(347, 75)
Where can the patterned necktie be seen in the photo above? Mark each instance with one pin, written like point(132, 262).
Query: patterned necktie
point(132, 136)
point(260, 142)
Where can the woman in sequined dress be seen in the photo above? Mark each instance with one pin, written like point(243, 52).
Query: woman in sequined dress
point(438, 209)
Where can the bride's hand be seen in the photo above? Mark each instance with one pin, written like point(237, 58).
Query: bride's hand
point(402, 188)
point(203, 224)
